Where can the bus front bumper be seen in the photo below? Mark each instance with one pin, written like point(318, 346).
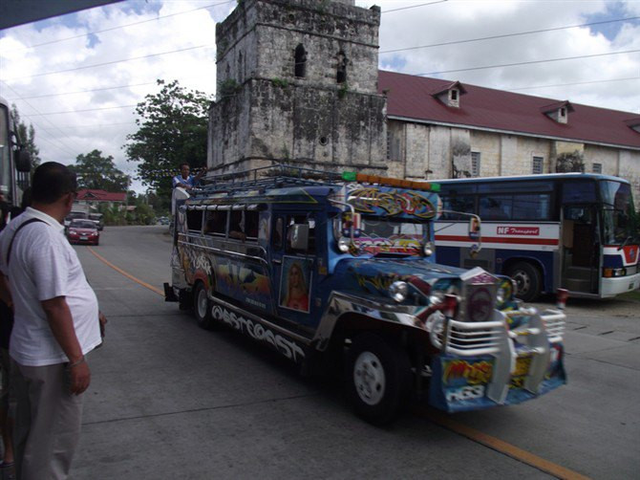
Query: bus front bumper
point(615, 286)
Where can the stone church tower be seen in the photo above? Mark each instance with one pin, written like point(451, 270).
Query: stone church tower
point(297, 84)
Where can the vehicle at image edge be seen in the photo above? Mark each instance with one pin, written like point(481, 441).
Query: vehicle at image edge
point(341, 272)
point(83, 231)
point(15, 162)
point(75, 215)
point(574, 231)
point(98, 219)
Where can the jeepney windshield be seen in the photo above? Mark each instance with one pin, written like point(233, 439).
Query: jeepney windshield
point(380, 235)
point(620, 222)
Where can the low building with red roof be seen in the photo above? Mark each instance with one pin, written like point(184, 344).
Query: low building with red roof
point(93, 198)
point(443, 129)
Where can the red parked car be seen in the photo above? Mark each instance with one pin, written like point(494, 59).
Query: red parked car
point(83, 231)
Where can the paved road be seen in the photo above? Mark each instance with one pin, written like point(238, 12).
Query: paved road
point(169, 400)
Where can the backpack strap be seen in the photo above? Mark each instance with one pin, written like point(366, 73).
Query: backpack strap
point(31, 220)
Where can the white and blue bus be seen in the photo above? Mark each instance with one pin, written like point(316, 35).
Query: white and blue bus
point(575, 231)
point(15, 163)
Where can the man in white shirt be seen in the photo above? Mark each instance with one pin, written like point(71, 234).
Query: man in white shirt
point(56, 324)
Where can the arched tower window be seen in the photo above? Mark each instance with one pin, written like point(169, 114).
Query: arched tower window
point(300, 61)
point(341, 74)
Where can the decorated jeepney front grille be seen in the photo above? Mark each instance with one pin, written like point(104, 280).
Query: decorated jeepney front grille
point(482, 338)
point(478, 300)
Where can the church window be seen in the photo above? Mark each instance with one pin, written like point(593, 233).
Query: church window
point(300, 62)
point(341, 75)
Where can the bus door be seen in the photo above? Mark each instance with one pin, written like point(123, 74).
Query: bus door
point(580, 249)
point(293, 262)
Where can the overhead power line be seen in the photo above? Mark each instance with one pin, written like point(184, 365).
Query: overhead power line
point(413, 6)
point(84, 67)
point(87, 91)
point(88, 110)
point(532, 62)
point(117, 27)
point(38, 113)
point(507, 35)
point(573, 83)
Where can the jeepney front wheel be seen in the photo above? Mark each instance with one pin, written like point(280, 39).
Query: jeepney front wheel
point(378, 378)
point(202, 307)
point(528, 279)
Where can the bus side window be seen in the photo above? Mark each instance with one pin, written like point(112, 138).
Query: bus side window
point(495, 207)
point(194, 220)
point(458, 203)
point(532, 206)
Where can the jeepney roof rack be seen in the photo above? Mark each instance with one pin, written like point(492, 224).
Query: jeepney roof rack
point(281, 175)
point(272, 176)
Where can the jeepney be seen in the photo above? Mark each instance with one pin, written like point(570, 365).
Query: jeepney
point(328, 269)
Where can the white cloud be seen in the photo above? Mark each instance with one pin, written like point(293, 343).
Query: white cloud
point(62, 137)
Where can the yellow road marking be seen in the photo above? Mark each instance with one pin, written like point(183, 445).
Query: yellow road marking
point(500, 445)
point(437, 417)
point(128, 275)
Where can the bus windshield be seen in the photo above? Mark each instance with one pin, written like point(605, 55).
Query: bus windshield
point(378, 235)
point(5, 152)
point(619, 219)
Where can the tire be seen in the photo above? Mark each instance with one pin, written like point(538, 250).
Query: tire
point(202, 307)
point(378, 378)
point(528, 279)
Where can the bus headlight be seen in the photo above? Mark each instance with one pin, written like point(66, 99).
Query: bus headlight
point(399, 291)
point(428, 249)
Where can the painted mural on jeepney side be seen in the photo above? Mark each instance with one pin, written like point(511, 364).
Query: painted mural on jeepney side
point(386, 201)
point(295, 283)
point(242, 281)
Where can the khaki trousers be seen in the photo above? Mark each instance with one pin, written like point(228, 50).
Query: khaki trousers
point(47, 422)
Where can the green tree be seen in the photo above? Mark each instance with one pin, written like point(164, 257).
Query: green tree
point(27, 137)
point(172, 130)
point(98, 172)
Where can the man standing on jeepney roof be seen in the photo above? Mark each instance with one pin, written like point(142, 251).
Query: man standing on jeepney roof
point(186, 181)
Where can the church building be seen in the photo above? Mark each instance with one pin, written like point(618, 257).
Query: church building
point(298, 83)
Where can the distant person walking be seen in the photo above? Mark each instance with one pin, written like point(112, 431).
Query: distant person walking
point(56, 323)
point(185, 180)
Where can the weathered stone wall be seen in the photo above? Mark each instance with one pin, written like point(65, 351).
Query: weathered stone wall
point(303, 126)
point(628, 163)
point(259, 39)
point(417, 147)
point(264, 112)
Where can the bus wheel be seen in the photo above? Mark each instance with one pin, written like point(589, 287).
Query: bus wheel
point(378, 378)
point(202, 307)
point(528, 279)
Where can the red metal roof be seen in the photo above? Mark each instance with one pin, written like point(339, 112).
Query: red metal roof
point(410, 97)
point(101, 196)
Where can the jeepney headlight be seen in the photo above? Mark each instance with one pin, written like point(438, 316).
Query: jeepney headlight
point(399, 290)
point(438, 296)
point(428, 249)
point(343, 244)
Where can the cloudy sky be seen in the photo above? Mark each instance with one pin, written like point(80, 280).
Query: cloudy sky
point(77, 78)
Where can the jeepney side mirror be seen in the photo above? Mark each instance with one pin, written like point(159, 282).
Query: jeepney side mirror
point(474, 228)
point(299, 238)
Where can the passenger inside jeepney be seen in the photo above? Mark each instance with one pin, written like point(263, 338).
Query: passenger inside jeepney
point(215, 222)
point(235, 226)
